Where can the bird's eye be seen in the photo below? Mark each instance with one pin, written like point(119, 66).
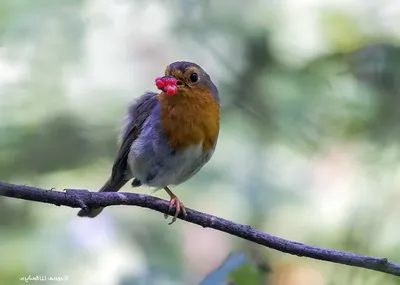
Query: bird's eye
point(194, 77)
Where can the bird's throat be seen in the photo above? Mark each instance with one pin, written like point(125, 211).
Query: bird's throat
point(188, 121)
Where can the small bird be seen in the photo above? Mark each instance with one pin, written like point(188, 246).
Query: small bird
point(167, 137)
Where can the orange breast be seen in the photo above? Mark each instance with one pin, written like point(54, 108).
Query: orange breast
point(189, 120)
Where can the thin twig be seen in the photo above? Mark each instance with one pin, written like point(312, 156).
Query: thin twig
point(84, 199)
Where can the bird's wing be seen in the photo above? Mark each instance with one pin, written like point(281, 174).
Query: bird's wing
point(138, 112)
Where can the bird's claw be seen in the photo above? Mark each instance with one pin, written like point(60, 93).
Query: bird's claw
point(179, 207)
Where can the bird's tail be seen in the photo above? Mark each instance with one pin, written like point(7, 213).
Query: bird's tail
point(107, 187)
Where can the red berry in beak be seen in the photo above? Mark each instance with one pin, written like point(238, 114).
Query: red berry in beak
point(159, 83)
point(167, 85)
point(171, 90)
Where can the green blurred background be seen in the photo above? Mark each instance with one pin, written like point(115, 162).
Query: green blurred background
point(308, 149)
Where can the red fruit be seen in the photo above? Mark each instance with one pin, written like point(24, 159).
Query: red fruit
point(171, 90)
point(160, 83)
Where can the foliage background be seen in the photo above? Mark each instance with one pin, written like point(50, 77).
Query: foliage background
point(309, 145)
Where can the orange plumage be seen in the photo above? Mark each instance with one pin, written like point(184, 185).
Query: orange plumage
point(190, 121)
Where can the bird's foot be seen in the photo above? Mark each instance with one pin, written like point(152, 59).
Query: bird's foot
point(179, 207)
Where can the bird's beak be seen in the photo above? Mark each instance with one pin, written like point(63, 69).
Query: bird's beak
point(167, 77)
point(179, 83)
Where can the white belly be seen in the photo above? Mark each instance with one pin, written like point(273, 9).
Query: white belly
point(157, 167)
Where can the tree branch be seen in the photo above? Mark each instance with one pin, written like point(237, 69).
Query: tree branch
point(84, 199)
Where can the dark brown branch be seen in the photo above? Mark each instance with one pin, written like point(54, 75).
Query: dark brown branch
point(85, 199)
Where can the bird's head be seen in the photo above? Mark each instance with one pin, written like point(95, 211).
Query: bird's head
point(186, 79)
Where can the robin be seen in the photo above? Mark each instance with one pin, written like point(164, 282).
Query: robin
point(167, 137)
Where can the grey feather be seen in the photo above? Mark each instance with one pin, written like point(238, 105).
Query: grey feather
point(137, 114)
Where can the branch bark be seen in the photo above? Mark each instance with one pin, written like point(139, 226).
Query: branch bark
point(76, 198)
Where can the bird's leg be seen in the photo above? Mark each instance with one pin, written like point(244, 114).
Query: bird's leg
point(178, 205)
